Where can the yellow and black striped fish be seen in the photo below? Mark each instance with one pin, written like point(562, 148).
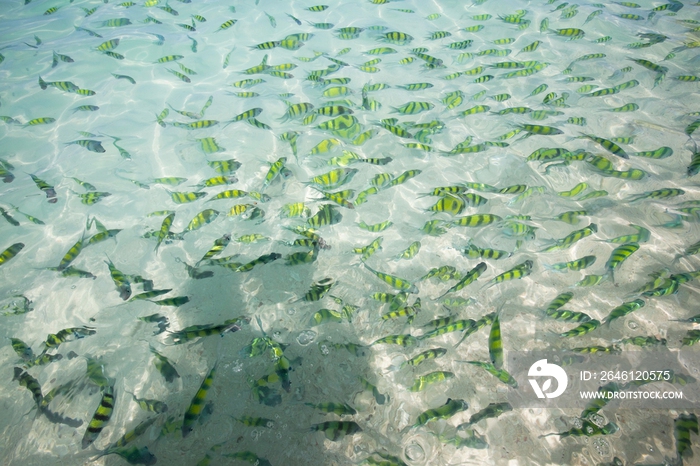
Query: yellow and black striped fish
point(10, 252)
point(197, 404)
point(100, 418)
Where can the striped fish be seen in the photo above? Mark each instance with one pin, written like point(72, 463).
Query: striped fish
point(197, 404)
point(100, 418)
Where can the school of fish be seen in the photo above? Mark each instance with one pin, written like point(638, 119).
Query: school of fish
point(291, 233)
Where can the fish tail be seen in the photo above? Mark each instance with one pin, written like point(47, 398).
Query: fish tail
point(113, 137)
point(609, 274)
point(488, 285)
point(442, 295)
point(464, 337)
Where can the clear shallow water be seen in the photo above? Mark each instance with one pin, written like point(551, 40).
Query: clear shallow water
point(271, 291)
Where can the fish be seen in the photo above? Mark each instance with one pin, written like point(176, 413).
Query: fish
point(133, 454)
point(642, 341)
point(582, 329)
point(164, 366)
point(176, 301)
point(264, 259)
point(413, 108)
point(469, 278)
point(43, 185)
point(224, 167)
point(335, 430)
point(72, 254)
point(23, 350)
point(275, 170)
point(323, 316)
point(8, 217)
point(326, 215)
point(54, 340)
point(519, 271)
point(596, 349)
point(446, 411)
point(444, 273)
point(568, 316)
point(120, 281)
point(576, 264)
point(641, 236)
point(418, 359)
point(477, 325)
point(164, 229)
point(393, 281)
point(401, 340)
point(71, 271)
point(410, 252)
point(476, 220)
point(318, 290)
point(424, 381)
point(219, 245)
point(572, 238)
point(161, 321)
point(491, 411)
point(91, 33)
point(378, 397)
point(682, 426)
point(93, 197)
point(608, 145)
point(618, 256)
point(495, 344)
point(100, 418)
point(30, 383)
point(587, 429)
point(153, 406)
point(691, 337)
point(452, 326)
point(406, 311)
point(339, 409)
point(657, 194)
point(117, 22)
point(500, 374)
point(197, 403)
point(202, 218)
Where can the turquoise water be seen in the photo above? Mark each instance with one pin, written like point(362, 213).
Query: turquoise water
point(141, 143)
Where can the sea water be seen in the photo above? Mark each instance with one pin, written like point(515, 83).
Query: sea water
point(139, 147)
